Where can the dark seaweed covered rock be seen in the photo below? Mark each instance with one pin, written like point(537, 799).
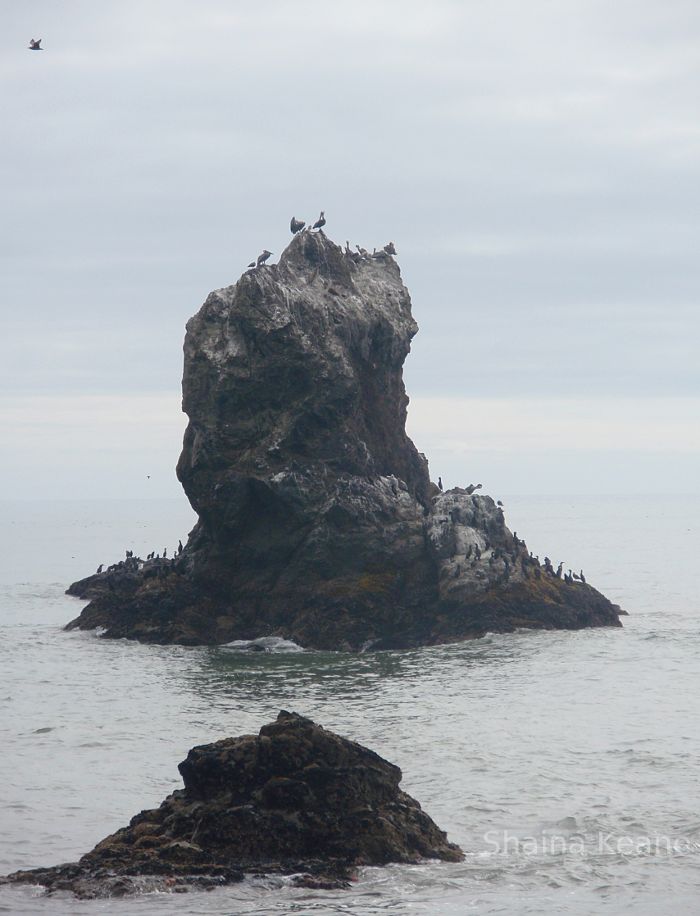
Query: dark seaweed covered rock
point(318, 521)
point(295, 799)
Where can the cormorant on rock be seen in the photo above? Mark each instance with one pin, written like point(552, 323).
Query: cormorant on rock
point(165, 552)
point(296, 225)
point(440, 484)
point(35, 44)
point(179, 547)
point(559, 570)
point(582, 577)
point(252, 264)
point(320, 222)
point(499, 503)
point(472, 487)
point(262, 258)
point(99, 569)
point(390, 248)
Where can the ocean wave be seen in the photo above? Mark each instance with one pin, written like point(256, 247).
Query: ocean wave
point(263, 644)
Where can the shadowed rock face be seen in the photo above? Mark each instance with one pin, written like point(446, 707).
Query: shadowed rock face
point(317, 518)
point(293, 799)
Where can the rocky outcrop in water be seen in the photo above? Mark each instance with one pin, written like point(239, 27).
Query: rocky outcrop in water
point(318, 521)
point(295, 799)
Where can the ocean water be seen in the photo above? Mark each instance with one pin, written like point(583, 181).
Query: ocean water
point(566, 765)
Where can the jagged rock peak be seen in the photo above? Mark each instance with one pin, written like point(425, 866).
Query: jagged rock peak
point(301, 361)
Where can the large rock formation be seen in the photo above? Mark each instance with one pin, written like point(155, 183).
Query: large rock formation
point(295, 799)
point(317, 518)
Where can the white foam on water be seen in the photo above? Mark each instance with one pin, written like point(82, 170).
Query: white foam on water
point(263, 644)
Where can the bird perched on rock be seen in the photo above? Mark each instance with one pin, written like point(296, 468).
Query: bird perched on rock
point(363, 251)
point(472, 487)
point(263, 257)
point(296, 225)
point(440, 484)
point(390, 248)
point(320, 222)
point(35, 44)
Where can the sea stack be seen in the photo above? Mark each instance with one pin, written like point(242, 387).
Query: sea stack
point(318, 521)
point(294, 799)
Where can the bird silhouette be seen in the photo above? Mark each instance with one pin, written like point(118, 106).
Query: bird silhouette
point(35, 44)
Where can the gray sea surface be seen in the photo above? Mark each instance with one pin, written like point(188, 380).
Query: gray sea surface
point(566, 764)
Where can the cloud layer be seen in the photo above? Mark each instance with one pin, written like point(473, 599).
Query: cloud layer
point(535, 164)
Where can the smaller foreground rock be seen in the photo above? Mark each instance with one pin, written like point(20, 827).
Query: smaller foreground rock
point(295, 799)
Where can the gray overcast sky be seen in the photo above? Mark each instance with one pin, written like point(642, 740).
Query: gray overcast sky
point(537, 165)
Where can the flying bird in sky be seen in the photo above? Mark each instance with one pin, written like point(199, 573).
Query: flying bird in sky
point(35, 44)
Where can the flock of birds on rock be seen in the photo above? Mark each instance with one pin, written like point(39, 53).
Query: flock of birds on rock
point(510, 557)
point(296, 225)
point(134, 564)
point(299, 225)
